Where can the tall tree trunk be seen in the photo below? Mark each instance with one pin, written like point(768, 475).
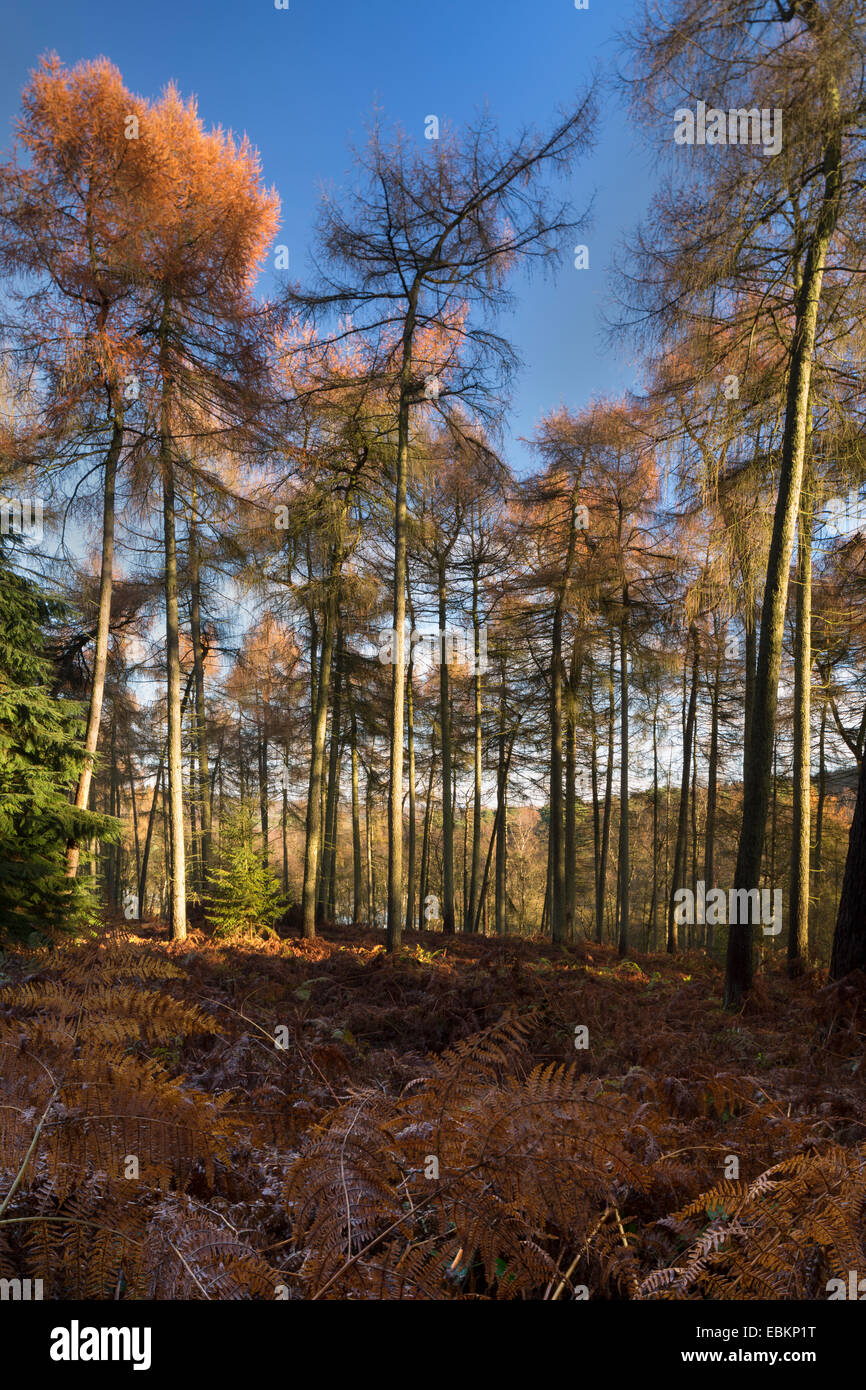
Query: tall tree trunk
point(327, 887)
point(323, 801)
point(819, 822)
point(222, 798)
point(131, 780)
point(712, 791)
point(680, 867)
point(773, 812)
point(794, 443)
point(313, 834)
point(112, 880)
point(142, 882)
point(357, 890)
point(314, 663)
point(501, 905)
point(624, 874)
point(166, 855)
point(596, 809)
point(177, 891)
point(822, 791)
point(497, 831)
point(545, 909)
point(608, 801)
point(574, 675)
point(398, 683)
point(198, 656)
point(798, 924)
point(570, 849)
point(242, 788)
point(103, 621)
point(284, 819)
point(694, 795)
point(264, 817)
point(477, 752)
point(466, 923)
point(448, 923)
point(849, 938)
point(425, 841)
point(410, 735)
point(751, 659)
point(368, 817)
point(556, 876)
point(556, 873)
point(194, 863)
point(652, 923)
point(666, 878)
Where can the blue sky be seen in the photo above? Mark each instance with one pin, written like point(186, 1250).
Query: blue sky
point(301, 82)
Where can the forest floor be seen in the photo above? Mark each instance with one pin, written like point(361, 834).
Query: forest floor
point(316, 1119)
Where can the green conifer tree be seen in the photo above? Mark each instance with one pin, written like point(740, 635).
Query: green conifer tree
point(41, 753)
point(245, 897)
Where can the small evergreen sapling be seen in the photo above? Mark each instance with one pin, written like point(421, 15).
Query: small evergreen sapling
point(245, 898)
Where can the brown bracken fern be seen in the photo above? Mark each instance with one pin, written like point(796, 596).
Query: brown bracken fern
point(424, 1129)
point(98, 1206)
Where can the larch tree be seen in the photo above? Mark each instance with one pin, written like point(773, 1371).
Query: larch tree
point(73, 218)
point(206, 373)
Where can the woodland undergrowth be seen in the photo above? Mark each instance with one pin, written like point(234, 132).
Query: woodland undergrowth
point(294, 1119)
